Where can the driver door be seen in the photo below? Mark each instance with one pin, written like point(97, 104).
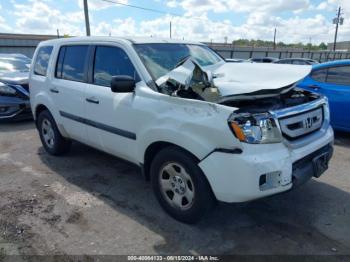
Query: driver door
point(111, 126)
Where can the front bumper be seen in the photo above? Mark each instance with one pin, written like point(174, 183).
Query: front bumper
point(13, 108)
point(261, 170)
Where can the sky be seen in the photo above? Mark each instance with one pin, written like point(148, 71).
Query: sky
point(199, 20)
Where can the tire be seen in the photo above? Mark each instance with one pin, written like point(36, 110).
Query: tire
point(188, 196)
point(51, 138)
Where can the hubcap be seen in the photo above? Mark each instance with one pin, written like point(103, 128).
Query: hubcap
point(48, 134)
point(176, 185)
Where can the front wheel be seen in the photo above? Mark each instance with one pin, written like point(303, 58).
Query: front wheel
point(180, 185)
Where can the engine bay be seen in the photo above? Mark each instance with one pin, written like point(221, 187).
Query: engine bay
point(292, 98)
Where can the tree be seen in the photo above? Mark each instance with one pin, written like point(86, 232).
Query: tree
point(322, 46)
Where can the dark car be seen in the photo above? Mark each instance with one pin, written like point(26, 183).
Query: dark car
point(296, 61)
point(262, 60)
point(332, 79)
point(14, 87)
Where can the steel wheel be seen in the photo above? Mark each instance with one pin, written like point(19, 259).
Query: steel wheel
point(176, 186)
point(48, 133)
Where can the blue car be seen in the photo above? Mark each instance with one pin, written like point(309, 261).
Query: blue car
point(332, 79)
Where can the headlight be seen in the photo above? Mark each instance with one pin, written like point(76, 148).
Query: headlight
point(255, 128)
point(7, 90)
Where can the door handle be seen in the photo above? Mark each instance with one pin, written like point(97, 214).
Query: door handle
point(92, 100)
point(54, 90)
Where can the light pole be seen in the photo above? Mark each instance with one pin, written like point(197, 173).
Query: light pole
point(86, 13)
point(338, 20)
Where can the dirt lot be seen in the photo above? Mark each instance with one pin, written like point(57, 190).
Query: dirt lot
point(91, 203)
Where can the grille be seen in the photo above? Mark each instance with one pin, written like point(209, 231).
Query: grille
point(299, 125)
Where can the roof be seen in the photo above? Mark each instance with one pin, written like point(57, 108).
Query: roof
point(134, 40)
point(332, 63)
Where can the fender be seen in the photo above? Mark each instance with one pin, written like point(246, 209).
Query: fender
point(42, 98)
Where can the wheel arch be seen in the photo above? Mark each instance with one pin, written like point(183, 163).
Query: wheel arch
point(153, 149)
point(38, 109)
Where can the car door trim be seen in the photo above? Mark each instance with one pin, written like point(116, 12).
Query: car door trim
point(110, 129)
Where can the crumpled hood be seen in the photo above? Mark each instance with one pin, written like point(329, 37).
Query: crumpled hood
point(244, 78)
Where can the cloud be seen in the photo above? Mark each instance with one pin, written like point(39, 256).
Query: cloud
point(4, 27)
point(95, 5)
point(258, 26)
point(261, 17)
point(222, 6)
point(41, 18)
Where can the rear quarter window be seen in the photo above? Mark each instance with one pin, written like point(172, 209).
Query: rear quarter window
point(42, 60)
point(339, 75)
point(319, 75)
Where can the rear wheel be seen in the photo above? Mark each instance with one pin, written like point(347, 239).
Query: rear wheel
point(51, 138)
point(180, 185)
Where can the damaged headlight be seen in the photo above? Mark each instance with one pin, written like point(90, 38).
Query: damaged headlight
point(255, 128)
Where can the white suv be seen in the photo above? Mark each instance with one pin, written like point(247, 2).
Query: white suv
point(199, 128)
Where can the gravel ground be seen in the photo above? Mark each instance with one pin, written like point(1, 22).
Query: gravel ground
point(88, 203)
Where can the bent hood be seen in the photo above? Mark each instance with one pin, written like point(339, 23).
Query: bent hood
point(248, 78)
point(234, 80)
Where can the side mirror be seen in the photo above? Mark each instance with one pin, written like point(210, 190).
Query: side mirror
point(122, 84)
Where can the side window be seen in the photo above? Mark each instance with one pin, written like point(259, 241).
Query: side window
point(339, 75)
point(111, 61)
point(319, 75)
point(71, 62)
point(42, 60)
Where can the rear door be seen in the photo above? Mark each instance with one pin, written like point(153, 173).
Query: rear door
point(112, 124)
point(334, 83)
point(337, 89)
point(68, 89)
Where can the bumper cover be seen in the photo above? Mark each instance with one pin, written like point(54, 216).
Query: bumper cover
point(13, 108)
point(237, 177)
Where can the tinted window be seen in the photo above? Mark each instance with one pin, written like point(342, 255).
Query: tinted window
point(319, 75)
point(339, 75)
point(111, 61)
point(282, 62)
point(42, 60)
point(71, 62)
point(298, 62)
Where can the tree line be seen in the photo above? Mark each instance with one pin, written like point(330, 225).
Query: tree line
point(262, 43)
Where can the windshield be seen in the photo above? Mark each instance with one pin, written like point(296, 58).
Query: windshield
point(159, 59)
point(14, 65)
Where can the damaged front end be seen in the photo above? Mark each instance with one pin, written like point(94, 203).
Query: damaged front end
point(234, 84)
point(257, 93)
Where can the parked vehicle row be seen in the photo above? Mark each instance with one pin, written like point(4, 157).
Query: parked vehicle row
point(290, 61)
point(296, 61)
point(202, 130)
point(14, 87)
